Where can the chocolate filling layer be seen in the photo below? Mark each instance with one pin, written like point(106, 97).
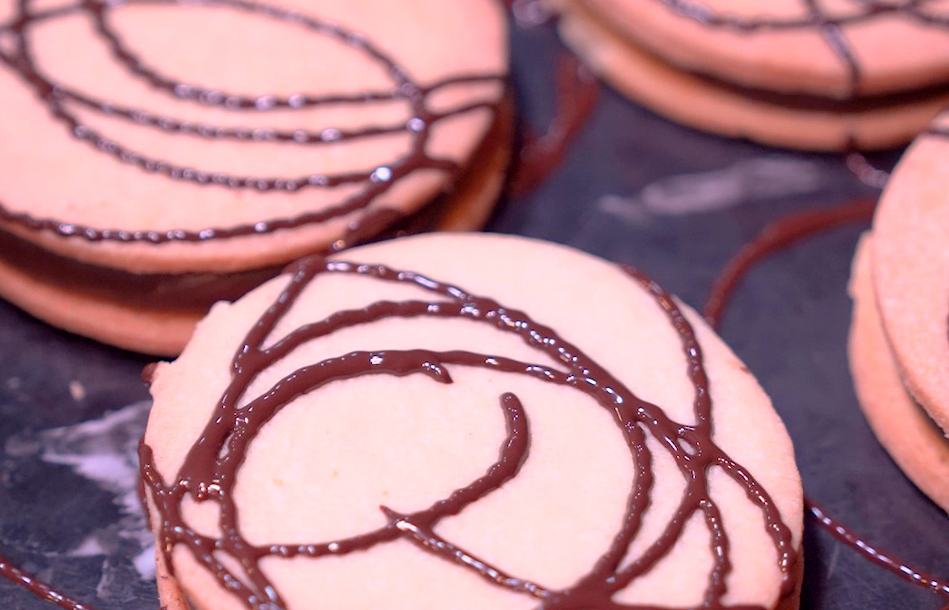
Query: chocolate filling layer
point(196, 292)
point(855, 102)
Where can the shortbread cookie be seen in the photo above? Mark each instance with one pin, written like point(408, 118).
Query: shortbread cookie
point(467, 421)
point(914, 441)
point(158, 156)
point(899, 343)
point(814, 75)
point(911, 268)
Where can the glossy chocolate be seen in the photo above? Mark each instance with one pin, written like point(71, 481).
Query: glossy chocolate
point(210, 469)
point(781, 234)
point(37, 587)
point(376, 182)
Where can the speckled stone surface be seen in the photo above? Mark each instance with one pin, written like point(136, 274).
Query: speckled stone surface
point(634, 188)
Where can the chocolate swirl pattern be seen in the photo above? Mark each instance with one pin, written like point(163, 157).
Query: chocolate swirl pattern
point(815, 16)
point(210, 468)
point(18, 54)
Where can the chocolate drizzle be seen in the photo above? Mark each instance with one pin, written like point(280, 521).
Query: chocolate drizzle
point(773, 238)
point(374, 182)
point(815, 17)
point(37, 587)
point(209, 471)
point(577, 91)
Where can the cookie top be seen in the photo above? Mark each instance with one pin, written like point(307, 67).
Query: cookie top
point(377, 436)
point(129, 123)
point(829, 48)
point(911, 268)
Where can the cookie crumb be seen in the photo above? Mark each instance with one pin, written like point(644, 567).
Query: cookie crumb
point(77, 390)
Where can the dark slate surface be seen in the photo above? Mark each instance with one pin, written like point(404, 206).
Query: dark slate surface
point(634, 188)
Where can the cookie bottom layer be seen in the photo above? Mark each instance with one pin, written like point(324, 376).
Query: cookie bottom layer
point(164, 332)
point(911, 438)
point(701, 103)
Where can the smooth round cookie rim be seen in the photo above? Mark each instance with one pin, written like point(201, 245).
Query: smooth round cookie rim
point(919, 464)
point(926, 392)
point(706, 334)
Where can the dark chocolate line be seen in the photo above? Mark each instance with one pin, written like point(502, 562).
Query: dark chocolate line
point(576, 94)
point(210, 467)
point(873, 554)
point(833, 35)
point(11, 572)
point(776, 236)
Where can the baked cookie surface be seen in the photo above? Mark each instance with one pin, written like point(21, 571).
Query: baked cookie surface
point(163, 138)
point(899, 338)
point(373, 431)
point(911, 268)
point(813, 75)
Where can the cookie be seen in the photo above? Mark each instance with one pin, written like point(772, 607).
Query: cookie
point(795, 73)
point(909, 266)
point(159, 156)
point(903, 427)
point(572, 437)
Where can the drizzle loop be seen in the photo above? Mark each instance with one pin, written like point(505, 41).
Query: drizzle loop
point(210, 469)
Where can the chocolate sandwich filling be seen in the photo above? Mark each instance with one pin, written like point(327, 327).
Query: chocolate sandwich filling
point(196, 292)
point(855, 102)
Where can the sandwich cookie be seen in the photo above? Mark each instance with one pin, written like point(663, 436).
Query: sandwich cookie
point(808, 74)
point(899, 340)
point(157, 156)
point(466, 421)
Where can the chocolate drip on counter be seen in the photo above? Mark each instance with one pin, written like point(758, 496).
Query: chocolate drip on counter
point(864, 171)
point(210, 469)
point(774, 237)
point(11, 572)
point(874, 554)
point(577, 91)
point(815, 17)
point(375, 182)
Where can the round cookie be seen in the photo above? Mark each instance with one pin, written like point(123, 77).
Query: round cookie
point(910, 268)
point(796, 74)
point(914, 441)
point(146, 156)
point(373, 436)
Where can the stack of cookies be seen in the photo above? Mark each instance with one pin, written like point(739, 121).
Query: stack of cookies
point(795, 73)
point(144, 176)
point(899, 341)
